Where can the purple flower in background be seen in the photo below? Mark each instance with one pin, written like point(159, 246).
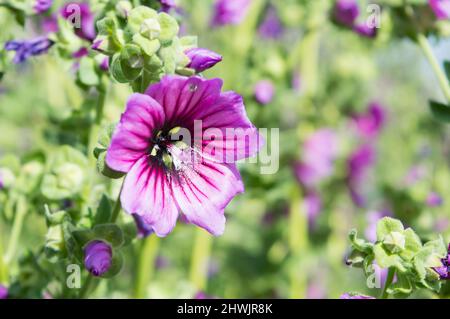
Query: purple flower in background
point(41, 6)
point(434, 200)
point(357, 165)
point(27, 48)
point(444, 270)
point(3, 292)
point(230, 12)
point(355, 296)
point(313, 206)
point(271, 27)
point(369, 124)
point(202, 59)
point(319, 153)
point(104, 65)
point(364, 30)
point(415, 174)
point(143, 228)
point(345, 12)
point(166, 5)
point(196, 175)
point(441, 8)
point(80, 53)
point(264, 92)
point(441, 224)
point(296, 81)
point(372, 219)
point(316, 291)
point(97, 257)
point(86, 27)
point(49, 24)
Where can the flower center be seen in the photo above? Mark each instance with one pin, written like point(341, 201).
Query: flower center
point(162, 142)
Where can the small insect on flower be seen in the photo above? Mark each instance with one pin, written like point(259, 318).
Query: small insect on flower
point(202, 59)
point(27, 48)
point(97, 257)
point(178, 143)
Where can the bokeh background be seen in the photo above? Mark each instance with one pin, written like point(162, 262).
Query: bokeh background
point(283, 239)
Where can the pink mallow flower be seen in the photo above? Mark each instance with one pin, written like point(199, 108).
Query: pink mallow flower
point(193, 173)
point(441, 8)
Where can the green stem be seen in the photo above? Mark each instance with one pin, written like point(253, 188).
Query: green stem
point(19, 217)
point(298, 242)
point(389, 280)
point(428, 51)
point(309, 60)
point(3, 268)
point(86, 287)
point(95, 128)
point(146, 264)
point(200, 259)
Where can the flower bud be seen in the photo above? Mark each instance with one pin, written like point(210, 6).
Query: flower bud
point(346, 12)
point(264, 91)
point(394, 242)
point(365, 31)
point(3, 292)
point(202, 59)
point(150, 28)
point(123, 8)
point(97, 257)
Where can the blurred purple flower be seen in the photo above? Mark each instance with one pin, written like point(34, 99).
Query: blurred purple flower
point(80, 53)
point(271, 27)
point(97, 257)
point(41, 6)
point(202, 295)
point(357, 165)
point(202, 59)
point(296, 81)
point(166, 5)
point(441, 224)
point(369, 124)
point(86, 29)
point(364, 30)
point(230, 12)
point(3, 292)
point(444, 270)
point(319, 153)
point(415, 174)
point(355, 296)
point(162, 262)
point(315, 291)
point(49, 24)
point(441, 8)
point(104, 65)
point(345, 12)
point(27, 48)
point(313, 207)
point(434, 200)
point(264, 91)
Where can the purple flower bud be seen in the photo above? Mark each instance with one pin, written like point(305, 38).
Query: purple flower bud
point(80, 53)
point(104, 65)
point(434, 200)
point(441, 8)
point(202, 59)
point(3, 292)
point(97, 257)
point(230, 12)
point(346, 12)
point(143, 228)
point(86, 29)
point(365, 31)
point(25, 49)
point(264, 92)
point(41, 6)
point(355, 296)
point(271, 27)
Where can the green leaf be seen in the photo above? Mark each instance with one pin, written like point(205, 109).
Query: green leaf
point(137, 16)
point(386, 260)
point(169, 27)
point(116, 69)
point(412, 244)
point(83, 236)
point(358, 243)
point(87, 72)
point(110, 233)
point(440, 111)
point(104, 210)
point(402, 287)
point(386, 225)
point(149, 47)
point(131, 61)
point(116, 265)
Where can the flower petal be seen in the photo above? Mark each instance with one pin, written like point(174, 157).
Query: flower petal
point(132, 135)
point(203, 189)
point(240, 138)
point(183, 98)
point(146, 193)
